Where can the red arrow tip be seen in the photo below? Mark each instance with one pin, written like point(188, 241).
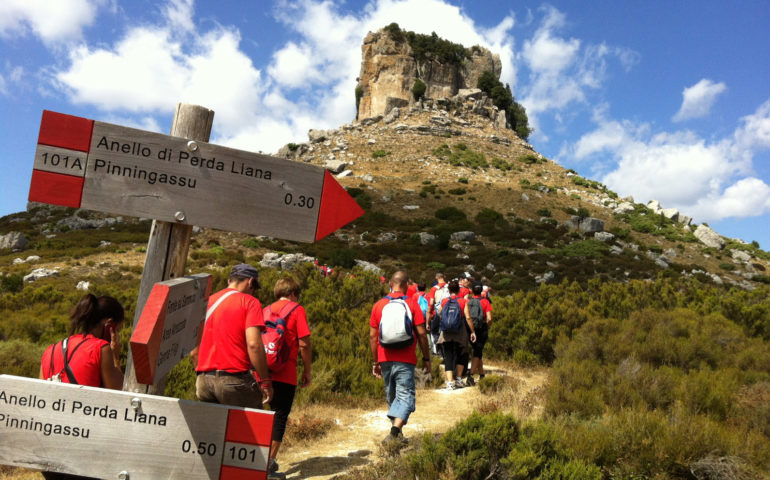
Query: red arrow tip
point(337, 208)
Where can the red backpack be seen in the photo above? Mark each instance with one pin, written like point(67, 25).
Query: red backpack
point(276, 350)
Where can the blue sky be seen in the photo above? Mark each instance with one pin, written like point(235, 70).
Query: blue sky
point(660, 100)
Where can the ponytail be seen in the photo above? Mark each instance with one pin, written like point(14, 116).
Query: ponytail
point(91, 310)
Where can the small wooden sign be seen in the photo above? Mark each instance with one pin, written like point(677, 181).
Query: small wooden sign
point(84, 163)
point(170, 325)
point(112, 434)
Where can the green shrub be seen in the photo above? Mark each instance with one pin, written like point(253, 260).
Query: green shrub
point(359, 95)
point(529, 159)
point(11, 283)
point(250, 243)
point(20, 358)
point(418, 89)
point(463, 180)
point(457, 191)
point(727, 266)
point(380, 153)
point(450, 214)
point(544, 212)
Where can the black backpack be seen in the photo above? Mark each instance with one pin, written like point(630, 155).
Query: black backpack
point(477, 313)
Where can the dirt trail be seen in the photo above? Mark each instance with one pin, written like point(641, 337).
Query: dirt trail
point(355, 442)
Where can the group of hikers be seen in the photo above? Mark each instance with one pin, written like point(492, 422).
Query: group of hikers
point(248, 354)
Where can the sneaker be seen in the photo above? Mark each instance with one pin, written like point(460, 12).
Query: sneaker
point(459, 383)
point(469, 381)
point(399, 439)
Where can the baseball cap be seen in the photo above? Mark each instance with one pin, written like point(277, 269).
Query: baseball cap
point(246, 270)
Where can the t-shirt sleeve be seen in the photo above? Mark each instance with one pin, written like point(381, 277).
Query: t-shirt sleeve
point(254, 317)
point(374, 319)
point(301, 318)
point(487, 306)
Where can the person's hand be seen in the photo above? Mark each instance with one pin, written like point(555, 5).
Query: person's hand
point(377, 370)
point(426, 365)
point(473, 337)
point(266, 386)
point(306, 378)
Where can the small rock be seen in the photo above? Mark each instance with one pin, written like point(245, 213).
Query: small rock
point(524, 197)
point(386, 237)
point(740, 255)
point(344, 174)
point(463, 236)
point(367, 178)
point(369, 267)
point(39, 273)
point(411, 207)
point(427, 238)
point(335, 166)
point(83, 285)
point(604, 236)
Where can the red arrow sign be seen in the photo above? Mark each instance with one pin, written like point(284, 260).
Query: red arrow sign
point(84, 163)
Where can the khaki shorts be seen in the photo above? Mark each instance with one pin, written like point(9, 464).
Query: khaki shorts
point(240, 391)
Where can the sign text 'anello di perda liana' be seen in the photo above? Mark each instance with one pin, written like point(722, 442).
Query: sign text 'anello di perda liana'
point(94, 165)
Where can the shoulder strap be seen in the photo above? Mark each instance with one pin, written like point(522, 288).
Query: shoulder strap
point(218, 302)
point(50, 368)
point(67, 369)
point(288, 304)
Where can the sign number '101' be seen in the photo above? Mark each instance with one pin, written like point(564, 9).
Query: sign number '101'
point(301, 201)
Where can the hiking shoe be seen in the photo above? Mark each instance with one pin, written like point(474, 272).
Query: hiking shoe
point(469, 381)
point(450, 386)
point(459, 383)
point(399, 439)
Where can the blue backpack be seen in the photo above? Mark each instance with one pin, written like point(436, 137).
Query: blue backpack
point(451, 316)
point(423, 302)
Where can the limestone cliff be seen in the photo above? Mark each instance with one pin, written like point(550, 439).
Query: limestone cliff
point(389, 68)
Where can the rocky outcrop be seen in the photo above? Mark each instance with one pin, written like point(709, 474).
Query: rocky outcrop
point(389, 70)
point(709, 237)
point(16, 241)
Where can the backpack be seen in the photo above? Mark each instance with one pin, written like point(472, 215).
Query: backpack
point(396, 324)
point(66, 369)
point(477, 313)
point(276, 350)
point(451, 316)
point(423, 302)
point(439, 295)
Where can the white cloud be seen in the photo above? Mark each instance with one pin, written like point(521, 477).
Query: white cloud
point(707, 180)
point(698, 99)
point(13, 77)
point(52, 21)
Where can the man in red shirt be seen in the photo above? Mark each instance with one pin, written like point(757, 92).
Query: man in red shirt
point(231, 345)
point(483, 310)
point(396, 365)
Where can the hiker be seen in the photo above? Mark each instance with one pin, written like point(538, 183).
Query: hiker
point(231, 345)
point(480, 311)
point(454, 335)
point(294, 342)
point(486, 291)
point(466, 281)
point(89, 355)
point(437, 293)
point(395, 327)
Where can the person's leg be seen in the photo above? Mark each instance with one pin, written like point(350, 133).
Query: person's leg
point(283, 399)
point(403, 403)
point(388, 378)
point(204, 389)
point(450, 358)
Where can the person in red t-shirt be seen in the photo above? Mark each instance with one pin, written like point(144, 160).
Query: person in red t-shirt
point(231, 345)
point(296, 337)
point(454, 345)
point(396, 365)
point(465, 285)
point(440, 282)
point(482, 333)
point(92, 354)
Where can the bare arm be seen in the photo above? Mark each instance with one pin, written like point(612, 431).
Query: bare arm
point(469, 321)
point(257, 358)
point(422, 338)
point(112, 376)
point(489, 318)
point(306, 352)
point(373, 342)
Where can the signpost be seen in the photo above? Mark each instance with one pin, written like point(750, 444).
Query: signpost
point(111, 434)
point(169, 326)
point(89, 164)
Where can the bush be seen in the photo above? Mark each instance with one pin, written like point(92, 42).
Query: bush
point(451, 214)
point(544, 212)
point(380, 153)
point(418, 89)
point(457, 191)
point(11, 283)
point(359, 95)
point(727, 266)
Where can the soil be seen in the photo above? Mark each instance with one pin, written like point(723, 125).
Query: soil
point(355, 442)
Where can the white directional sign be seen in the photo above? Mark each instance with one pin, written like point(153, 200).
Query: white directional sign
point(105, 433)
point(84, 163)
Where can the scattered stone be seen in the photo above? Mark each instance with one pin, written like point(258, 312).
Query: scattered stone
point(367, 178)
point(386, 237)
point(671, 213)
point(715, 278)
point(427, 238)
point(83, 285)
point(371, 121)
point(740, 255)
point(39, 273)
point(490, 267)
point(287, 261)
point(369, 267)
point(411, 207)
point(104, 243)
point(548, 276)
point(318, 136)
point(392, 116)
point(372, 141)
point(615, 250)
point(17, 261)
point(16, 241)
point(624, 207)
point(524, 197)
point(709, 237)
point(463, 236)
point(661, 262)
point(335, 166)
point(604, 236)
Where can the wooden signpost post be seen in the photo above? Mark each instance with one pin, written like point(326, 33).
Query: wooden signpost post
point(112, 434)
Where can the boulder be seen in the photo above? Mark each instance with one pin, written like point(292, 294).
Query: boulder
point(684, 220)
point(468, 93)
point(709, 237)
point(524, 197)
point(411, 207)
point(335, 166)
point(616, 250)
point(463, 236)
point(369, 267)
point(318, 136)
point(16, 241)
point(83, 285)
point(654, 205)
point(547, 277)
point(671, 213)
point(345, 173)
point(287, 261)
point(39, 273)
point(624, 207)
point(392, 116)
point(604, 236)
point(500, 121)
point(386, 237)
point(427, 239)
point(586, 225)
point(740, 255)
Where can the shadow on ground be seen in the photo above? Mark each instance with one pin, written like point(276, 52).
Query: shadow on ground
point(324, 466)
